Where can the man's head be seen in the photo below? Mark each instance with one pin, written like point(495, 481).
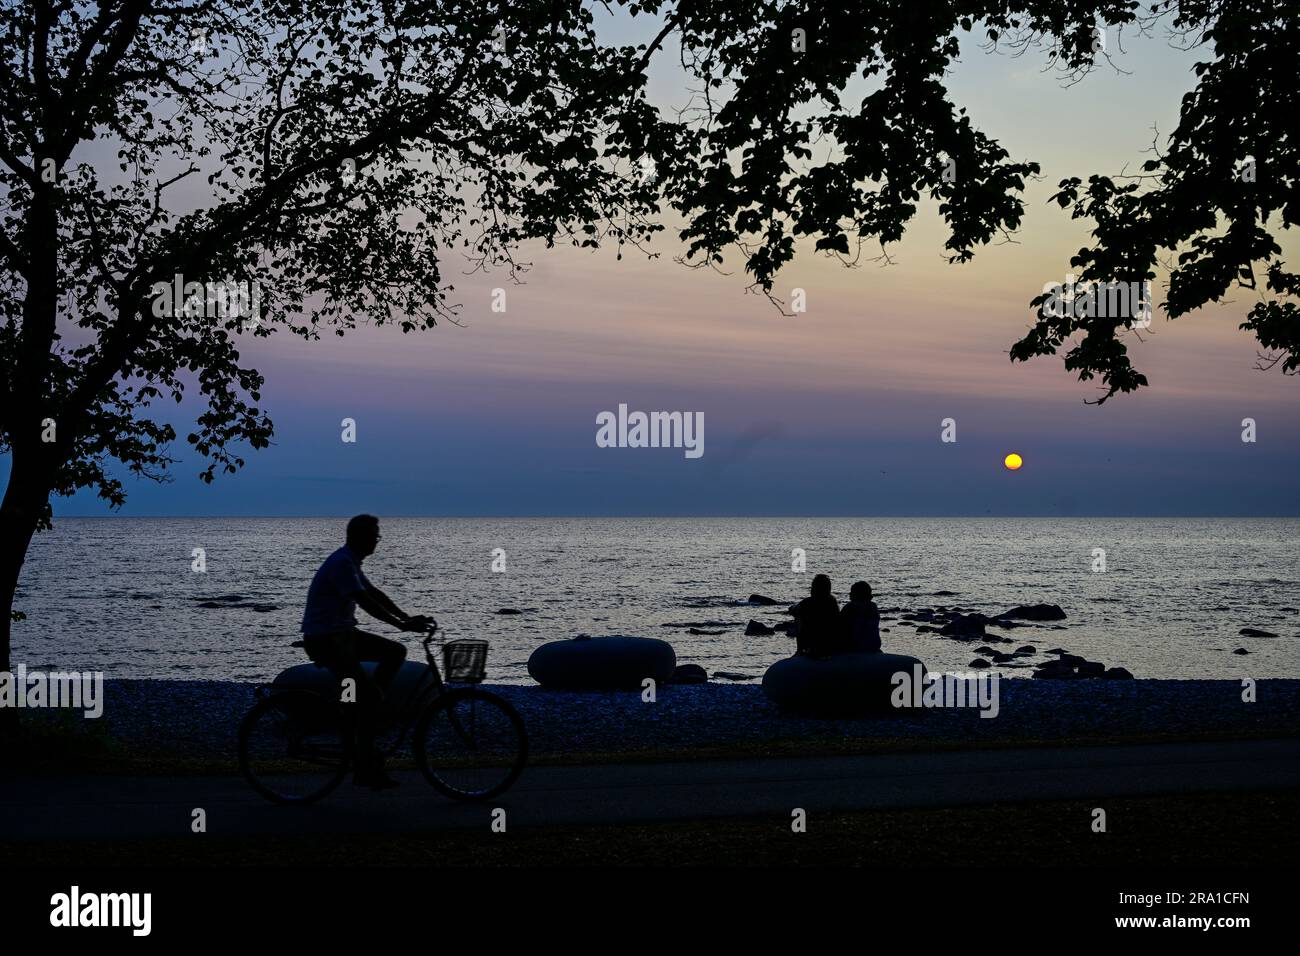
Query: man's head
point(821, 586)
point(363, 535)
point(861, 591)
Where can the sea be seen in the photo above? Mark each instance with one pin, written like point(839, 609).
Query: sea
point(222, 598)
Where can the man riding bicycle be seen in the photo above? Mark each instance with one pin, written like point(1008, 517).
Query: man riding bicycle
point(332, 639)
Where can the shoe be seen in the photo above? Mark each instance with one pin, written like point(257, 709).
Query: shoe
point(365, 771)
point(362, 778)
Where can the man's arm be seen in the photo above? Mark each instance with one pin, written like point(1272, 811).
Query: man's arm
point(379, 605)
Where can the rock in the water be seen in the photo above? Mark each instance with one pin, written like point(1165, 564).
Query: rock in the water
point(1027, 649)
point(978, 663)
point(1091, 669)
point(1255, 632)
point(699, 632)
point(1036, 612)
point(728, 675)
point(1241, 650)
point(758, 629)
point(763, 600)
point(689, 674)
point(965, 625)
point(785, 627)
point(1055, 650)
point(985, 650)
point(1117, 673)
point(1065, 673)
point(509, 610)
point(1059, 669)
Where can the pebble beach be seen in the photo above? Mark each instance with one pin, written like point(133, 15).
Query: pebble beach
point(200, 718)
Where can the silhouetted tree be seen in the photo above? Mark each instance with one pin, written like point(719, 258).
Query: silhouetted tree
point(330, 155)
point(1211, 203)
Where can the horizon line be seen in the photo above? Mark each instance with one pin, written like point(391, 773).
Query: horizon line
point(678, 517)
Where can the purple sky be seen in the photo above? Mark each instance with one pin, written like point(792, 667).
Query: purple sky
point(835, 411)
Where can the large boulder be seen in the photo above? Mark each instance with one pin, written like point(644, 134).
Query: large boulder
point(762, 600)
point(602, 663)
point(758, 629)
point(410, 679)
point(840, 685)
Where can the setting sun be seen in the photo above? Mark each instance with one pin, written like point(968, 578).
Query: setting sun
point(1013, 461)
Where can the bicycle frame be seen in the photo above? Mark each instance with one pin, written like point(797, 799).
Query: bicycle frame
point(309, 711)
point(428, 688)
point(423, 695)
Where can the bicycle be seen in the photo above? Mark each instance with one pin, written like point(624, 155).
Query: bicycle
point(296, 744)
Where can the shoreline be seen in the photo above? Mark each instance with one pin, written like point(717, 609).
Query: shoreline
point(198, 719)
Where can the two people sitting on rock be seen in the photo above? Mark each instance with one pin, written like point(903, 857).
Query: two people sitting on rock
point(823, 628)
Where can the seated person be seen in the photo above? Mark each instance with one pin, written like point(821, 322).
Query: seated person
point(817, 620)
point(859, 621)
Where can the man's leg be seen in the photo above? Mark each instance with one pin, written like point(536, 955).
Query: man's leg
point(338, 654)
point(388, 655)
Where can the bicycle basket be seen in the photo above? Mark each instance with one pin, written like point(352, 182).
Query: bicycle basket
point(464, 662)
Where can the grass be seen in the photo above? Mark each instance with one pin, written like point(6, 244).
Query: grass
point(58, 740)
point(1206, 829)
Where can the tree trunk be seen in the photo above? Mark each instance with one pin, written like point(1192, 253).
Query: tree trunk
point(32, 462)
point(20, 513)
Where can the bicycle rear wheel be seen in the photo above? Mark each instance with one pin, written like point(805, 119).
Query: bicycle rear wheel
point(294, 747)
point(471, 744)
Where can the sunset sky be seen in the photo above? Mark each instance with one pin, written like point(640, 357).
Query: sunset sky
point(835, 411)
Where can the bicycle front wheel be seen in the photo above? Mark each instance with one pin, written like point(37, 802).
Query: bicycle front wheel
point(471, 744)
point(294, 747)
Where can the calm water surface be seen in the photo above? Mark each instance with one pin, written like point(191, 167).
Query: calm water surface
point(119, 595)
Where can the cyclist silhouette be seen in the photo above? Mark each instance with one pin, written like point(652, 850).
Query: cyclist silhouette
point(332, 639)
